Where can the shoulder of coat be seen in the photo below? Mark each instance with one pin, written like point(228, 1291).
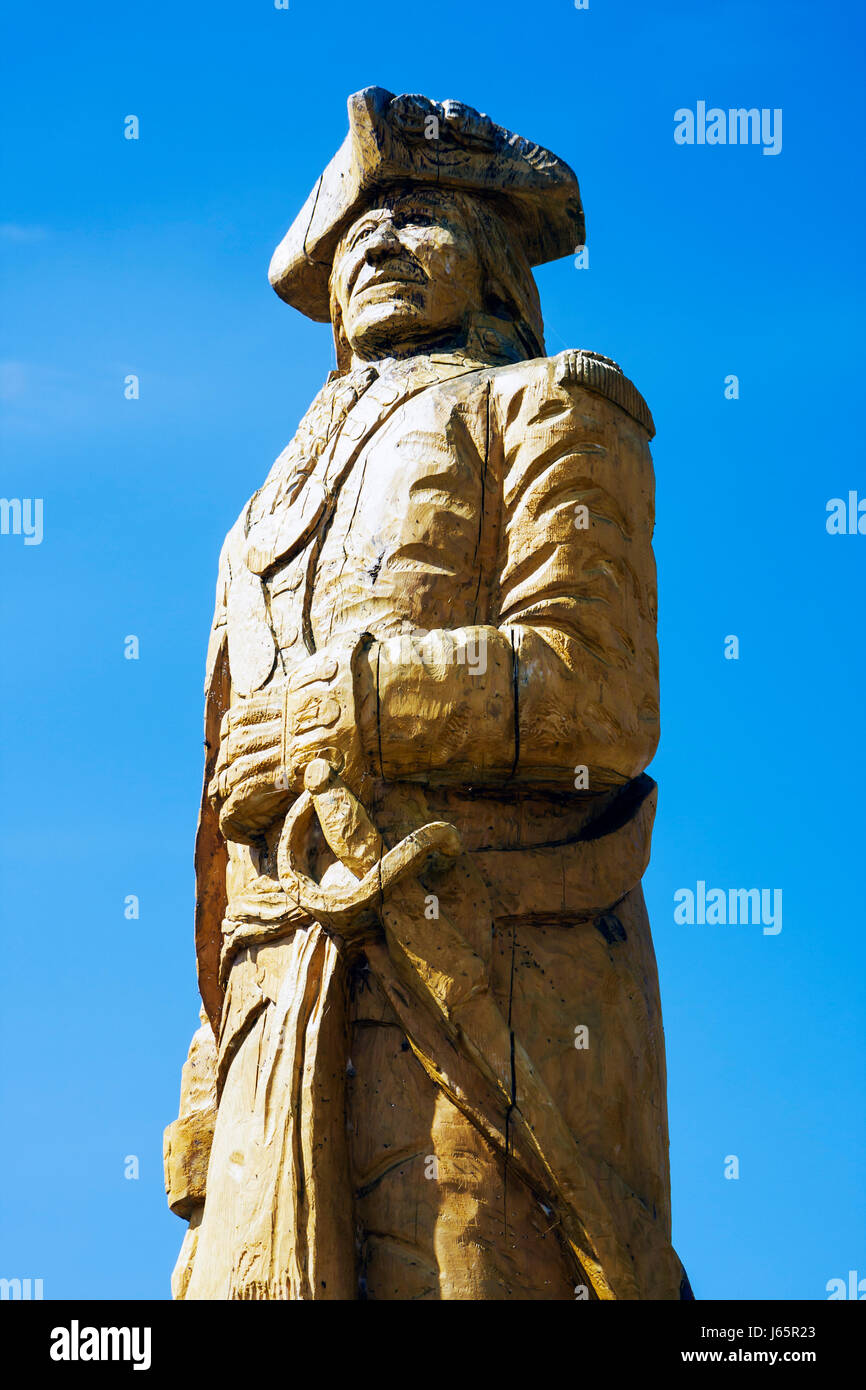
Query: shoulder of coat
point(578, 367)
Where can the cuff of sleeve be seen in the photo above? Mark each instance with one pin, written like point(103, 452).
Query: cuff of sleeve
point(441, 705)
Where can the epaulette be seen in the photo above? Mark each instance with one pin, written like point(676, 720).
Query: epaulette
point(605, 376)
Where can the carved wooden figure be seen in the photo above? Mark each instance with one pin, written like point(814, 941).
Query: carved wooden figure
point(431, 1064)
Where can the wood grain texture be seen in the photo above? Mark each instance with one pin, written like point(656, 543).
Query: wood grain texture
point(435, 1066)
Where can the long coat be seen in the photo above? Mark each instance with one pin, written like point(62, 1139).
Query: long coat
point(490, 527)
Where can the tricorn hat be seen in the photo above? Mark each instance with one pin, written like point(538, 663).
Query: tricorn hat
point(396, 140)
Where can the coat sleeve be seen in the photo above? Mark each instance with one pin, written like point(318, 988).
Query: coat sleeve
point(578, 582)
point(565, 676)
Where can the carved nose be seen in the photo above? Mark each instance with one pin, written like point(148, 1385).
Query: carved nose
point(383, 243)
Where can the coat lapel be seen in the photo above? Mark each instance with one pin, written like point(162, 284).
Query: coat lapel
point(299, 498)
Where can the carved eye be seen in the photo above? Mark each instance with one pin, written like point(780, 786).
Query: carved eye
point(418, 217)
point(360, 235)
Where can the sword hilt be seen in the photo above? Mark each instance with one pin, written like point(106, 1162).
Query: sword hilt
point(357, 844)
point(345, 824)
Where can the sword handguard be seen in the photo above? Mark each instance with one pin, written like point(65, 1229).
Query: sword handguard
point(357, 844)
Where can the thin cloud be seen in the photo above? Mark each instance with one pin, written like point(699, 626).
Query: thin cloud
point(15, 231)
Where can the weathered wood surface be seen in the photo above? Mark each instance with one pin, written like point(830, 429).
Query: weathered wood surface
point(436, 1068)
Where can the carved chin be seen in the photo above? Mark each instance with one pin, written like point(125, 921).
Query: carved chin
point(389, 320)
point(381, 304)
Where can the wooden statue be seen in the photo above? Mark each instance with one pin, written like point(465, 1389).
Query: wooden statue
point(431, 1061)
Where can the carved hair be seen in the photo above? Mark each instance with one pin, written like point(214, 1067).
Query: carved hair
point(507, 326)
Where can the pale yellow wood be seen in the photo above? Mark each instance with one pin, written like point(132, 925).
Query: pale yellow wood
point(436, 1067)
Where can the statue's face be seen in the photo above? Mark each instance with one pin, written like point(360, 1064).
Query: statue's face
point(406, 275)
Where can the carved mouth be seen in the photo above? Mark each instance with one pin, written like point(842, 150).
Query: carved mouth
point(387, 288)
point(395, 275)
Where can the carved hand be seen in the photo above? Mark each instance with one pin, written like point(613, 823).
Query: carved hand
point(248, 787)
point(323, 703)
point(266, 741)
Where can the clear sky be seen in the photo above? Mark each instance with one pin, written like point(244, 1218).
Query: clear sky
point(150, 257)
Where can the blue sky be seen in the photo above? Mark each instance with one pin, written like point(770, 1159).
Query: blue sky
point(151, 257)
